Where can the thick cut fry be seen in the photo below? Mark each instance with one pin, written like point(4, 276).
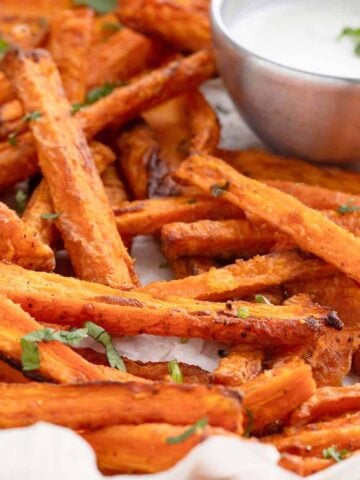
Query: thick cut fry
point(304, 466)
point(23, 31)
point(310, 229)
point(143, 448)
point(183, 24)
point(95, 248)
point(138, 152)
point(20, 244)
point(264, 165)
point(242, 278)
point(114, 188)
point(59, 363)
point(242, 364)
point(150, 370)
point(69, 46)
point(99, 405)
point(72, 302)
point(126, 103)
point(146, 217)
point(185, 267)
point(41, 203)
point(274, 394)
point(123, 55)
point(225, 239)
point(327, 402)
point(316, 197)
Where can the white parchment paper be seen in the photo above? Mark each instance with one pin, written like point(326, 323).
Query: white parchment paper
point(48, 452)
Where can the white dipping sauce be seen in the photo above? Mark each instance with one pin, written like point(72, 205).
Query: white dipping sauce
point(302, 34)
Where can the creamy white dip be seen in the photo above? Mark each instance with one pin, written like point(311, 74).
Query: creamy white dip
point(302, 34)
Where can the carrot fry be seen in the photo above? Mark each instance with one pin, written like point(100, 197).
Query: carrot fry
point(123, 55)
point(242, 364)
point(31, 8)
point(203, 123)
point(132, 403)
point(274, 394)
point(304, 466)
point(145, 217)
point(114, 188)
point(9, 374)
point(72, 302)
point(264, 165)
point(326, 402)
point(20, 244)
point(143, 448)
point(185, 267)
point(95, 248)
point(69, 46)
point(310, 229)
point(59, 363)
point(242, 278)
point(6, 90)
point(126, 103)
point(183, 24)
point(23, 31)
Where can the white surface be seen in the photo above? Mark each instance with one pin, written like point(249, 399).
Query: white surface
point(302, 34)
point(48, 452)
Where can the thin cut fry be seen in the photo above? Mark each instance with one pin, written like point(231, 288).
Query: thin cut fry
point(242, 364)
point(242, 278)
point(69, 46)
point(264, 165)
point(145, 217)
point(126, 403)
point(95, 248)
point(304, 466)
point(143, 448)
point(72, 302)
point(20, 244)
point(114, 188)
point(183, 24)
point(310, 229)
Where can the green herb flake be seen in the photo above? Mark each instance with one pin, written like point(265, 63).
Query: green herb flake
point(35, 115)
point(332, 453)
point(262, 299)
point(50, 216)
point(20, 201)
point(101, 335)
point(12, 138)
point(354, 35)
point(96, 93)
point(198, 426)
point(100, 6)
point(4, 46)
point(112, 26)
point(249, 424)
point(219, 190)
point(76, 107)
point(348, 208)
point(243, 312)
point(175, 371)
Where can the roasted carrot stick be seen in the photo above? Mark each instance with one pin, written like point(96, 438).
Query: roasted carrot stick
point(95, 248)
point(91, 406)
point(242, 278)
point(304, 466)
point(114, 188)
point(310, 229)
point(72, 302)
point(186, 266)
point(20, 244)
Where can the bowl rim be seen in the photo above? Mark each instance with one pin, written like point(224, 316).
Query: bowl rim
point(217, 20)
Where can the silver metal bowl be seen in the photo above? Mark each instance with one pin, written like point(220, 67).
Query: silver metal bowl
point(293, 112)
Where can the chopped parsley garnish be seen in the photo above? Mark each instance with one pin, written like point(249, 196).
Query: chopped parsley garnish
point(332, 453)
point(20, 201)
point(35, 115)
point(76, 107)
point(4, 46)
point(175, 371)
point(348, 208)
point(94, 95)
point(243, 312)
point(12, 138)
point(219, 190)
point(262, 299)
point(250, 423)
point(50, 216)
point(353, 34)
point(198, 426)
point(30, 356)
point(112, 26)
point(100, 6)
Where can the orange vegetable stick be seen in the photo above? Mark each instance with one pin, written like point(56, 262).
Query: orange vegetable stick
point(69, 46)
point(6, 90)
point(242, 278)
point(185, 267)
point(20, 244)
point(310, 229)
point(95, 248)
point(304, 466)
point(92, 406)
point(22, 30)
point(11, 375)
point(114, 188)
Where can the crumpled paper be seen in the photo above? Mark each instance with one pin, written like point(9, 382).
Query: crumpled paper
point(49, 452)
